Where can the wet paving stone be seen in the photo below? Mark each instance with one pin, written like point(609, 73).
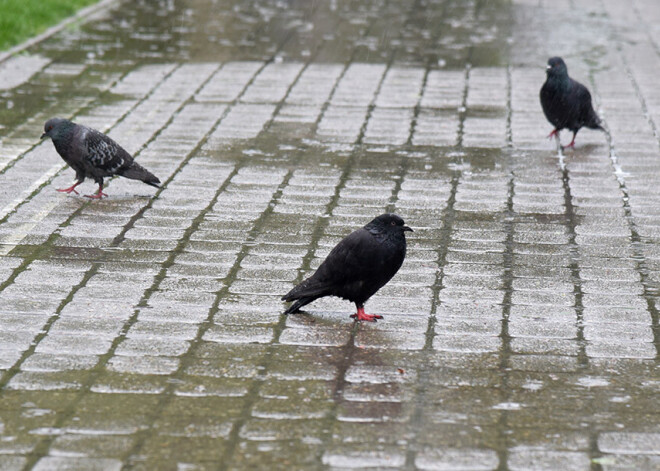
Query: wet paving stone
point(145, 331)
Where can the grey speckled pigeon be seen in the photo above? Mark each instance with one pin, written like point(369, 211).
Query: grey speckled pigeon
point(358, 266)
point(92, 154)
point(566, 103)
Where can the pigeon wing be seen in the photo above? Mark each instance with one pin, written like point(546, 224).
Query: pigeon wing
point(356, 257)
point(582, 97)
point(356, 268)
point(344, 265)
point(554, 103)
point(102, 153)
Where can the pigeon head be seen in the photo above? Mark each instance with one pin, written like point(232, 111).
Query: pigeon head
point(556, 67)
point(55, 128)
point(388, 222)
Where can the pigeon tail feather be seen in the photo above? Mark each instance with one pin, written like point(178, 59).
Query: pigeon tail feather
point(303, 294)
point(295, 307)
point(138, 172)
point(310, 288)
point(596, 124)
point(594, 121)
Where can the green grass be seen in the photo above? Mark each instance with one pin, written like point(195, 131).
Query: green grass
point(22, 19)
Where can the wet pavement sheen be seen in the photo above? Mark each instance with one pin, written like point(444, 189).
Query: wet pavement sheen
point(144, 331)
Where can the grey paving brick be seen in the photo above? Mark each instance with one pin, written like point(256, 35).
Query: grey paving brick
point(272, 83)
point(389, 126)
point(547, 459)
point(9, 462)
point(227, 83)
point(18, 70)
point(628, 443)
point(453, 458)
point(57, 462)
point(363, 459)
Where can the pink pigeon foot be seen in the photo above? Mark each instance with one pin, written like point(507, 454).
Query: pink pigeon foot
point(71, 189)
point(363, 316)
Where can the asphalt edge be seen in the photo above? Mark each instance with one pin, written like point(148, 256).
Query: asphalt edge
point(80, 15)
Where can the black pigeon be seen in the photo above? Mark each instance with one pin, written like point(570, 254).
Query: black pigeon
point(566, 103)
point(92, 154)
point(357, 267)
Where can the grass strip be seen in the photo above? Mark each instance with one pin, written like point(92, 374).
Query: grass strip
point(22, 19)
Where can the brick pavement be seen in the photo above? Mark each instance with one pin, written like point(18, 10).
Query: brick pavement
point(144, 331)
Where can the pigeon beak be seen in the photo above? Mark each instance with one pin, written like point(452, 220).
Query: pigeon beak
point(44, 136)
point(548, 67)
point(406, 228)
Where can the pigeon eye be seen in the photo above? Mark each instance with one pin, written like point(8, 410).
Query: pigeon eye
point(393, 223)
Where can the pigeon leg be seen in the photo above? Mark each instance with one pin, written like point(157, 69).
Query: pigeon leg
point(572, 144)
point(98, 195)
point(363, 316)
point(554, 134)
point(70, 189)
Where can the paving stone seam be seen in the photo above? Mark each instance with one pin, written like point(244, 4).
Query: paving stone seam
point(118, 339)
point(447, 218)
point(253, 392)
point(509, 106)
point(318, 231)
point(167, 394)
point(116, 241)
point(370, 109)
point(593, 452)
point(326, 105)
point(306, 65)
point(250, 237)
point(617, 170)
point(348, 349)
point(234, 433)
point(509, 225)
point(317, 234)
point(505, 351)
point(103, 359)
point(638, 92)
point(570, 225)
point(417, 417)
point(641, 265)
point(405, 162)
point(417, 109)
point(437, 32)
point(462, 110)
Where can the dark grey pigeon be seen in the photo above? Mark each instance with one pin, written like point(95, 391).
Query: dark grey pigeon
point(92, 154)
point(357, 267)
point(566, 103)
